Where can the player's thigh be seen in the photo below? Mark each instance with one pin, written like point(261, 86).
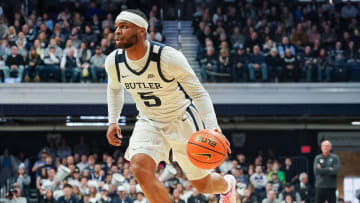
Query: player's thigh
point(146, 139)
point(188, 125)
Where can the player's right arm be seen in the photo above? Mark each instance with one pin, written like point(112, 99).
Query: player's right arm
point(115, 101)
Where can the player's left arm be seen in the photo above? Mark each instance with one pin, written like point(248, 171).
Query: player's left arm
point(175, 65)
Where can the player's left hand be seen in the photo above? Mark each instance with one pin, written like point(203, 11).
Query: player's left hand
point(227, 141)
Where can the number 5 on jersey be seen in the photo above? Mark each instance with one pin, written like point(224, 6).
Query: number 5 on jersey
point(150, 100)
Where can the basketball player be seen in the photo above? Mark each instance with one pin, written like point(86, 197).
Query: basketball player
point(157, 77)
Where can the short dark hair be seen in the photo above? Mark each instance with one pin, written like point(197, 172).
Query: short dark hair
point(138, 12)
point(68, 186)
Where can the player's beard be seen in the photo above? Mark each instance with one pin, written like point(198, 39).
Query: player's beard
point(129, 42)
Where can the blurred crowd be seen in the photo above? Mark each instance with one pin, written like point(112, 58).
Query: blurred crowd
point(278, 41)
point(64, 173)
point(65, 46)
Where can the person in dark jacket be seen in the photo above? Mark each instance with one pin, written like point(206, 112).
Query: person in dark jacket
point(239, 64)
point(257, 63)
point(196, 197)
point(290, 72)
point(70, 64)
point(122, 196)
point(32, 71)
point(326, 167)
point(304, 188)
point(274, 64)
point(68, 196)
point(14, 65)
point(209, 64)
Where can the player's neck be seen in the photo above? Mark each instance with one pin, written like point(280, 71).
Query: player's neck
point(137, 51)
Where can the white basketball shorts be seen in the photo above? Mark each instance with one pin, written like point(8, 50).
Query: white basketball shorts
point(157, 141)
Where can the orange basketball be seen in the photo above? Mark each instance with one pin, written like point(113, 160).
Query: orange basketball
point(207, 149)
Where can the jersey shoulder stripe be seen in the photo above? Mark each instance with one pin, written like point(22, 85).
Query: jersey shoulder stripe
point(156, 56)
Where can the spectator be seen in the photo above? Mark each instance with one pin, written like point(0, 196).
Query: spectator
point(104, 194)
point(32, 70)
point(22, 180)
point(74, 37)
point(48, 22)
point(84, 66)
point(263, 195)
point(58, 49)
point(4, 30)
point(259, 180)
point(15, 65)
point(304, 188)
point(289, 171)
point(314, 34)
point(89, 38)
point(249, 197)
point(324, 69)
point(242, 180)
point(209, 65)
point(290, 71)
point(284, 46)
point(94, 195)
point(274, 64)
point(48, 197)
point(70, 67)
point(83, 164)
point(349, 10)
point(271, 198)
point(97, 175)
point(299, 37)
point(352, 53)
point(237, 37)
point(224, 62)
point(326, 167)
point(239, 63)
point(277, 185)
point(253, 41)
point(76, 191)
point(328, 36)
point(21, 48)
point(289, 199)
point(176, 197)
point(5, 49)
point(122, 197)
point(83, 49)
point(257, 63)
point(51, 69)
point(268, 46)
point(68, 196)
point(196, 197)
point(289, 191)
point(309, 64)
point(98, 68)
point(141, 199)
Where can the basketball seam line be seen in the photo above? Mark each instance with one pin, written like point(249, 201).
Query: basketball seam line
point(207, 148)
point(214, 162)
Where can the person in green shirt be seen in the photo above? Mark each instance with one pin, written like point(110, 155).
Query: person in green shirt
point(326, 167)
point(276, 169)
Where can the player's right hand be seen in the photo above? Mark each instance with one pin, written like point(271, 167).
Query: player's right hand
point(111, 133)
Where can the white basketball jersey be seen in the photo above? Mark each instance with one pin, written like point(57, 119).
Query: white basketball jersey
point(157, 98)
